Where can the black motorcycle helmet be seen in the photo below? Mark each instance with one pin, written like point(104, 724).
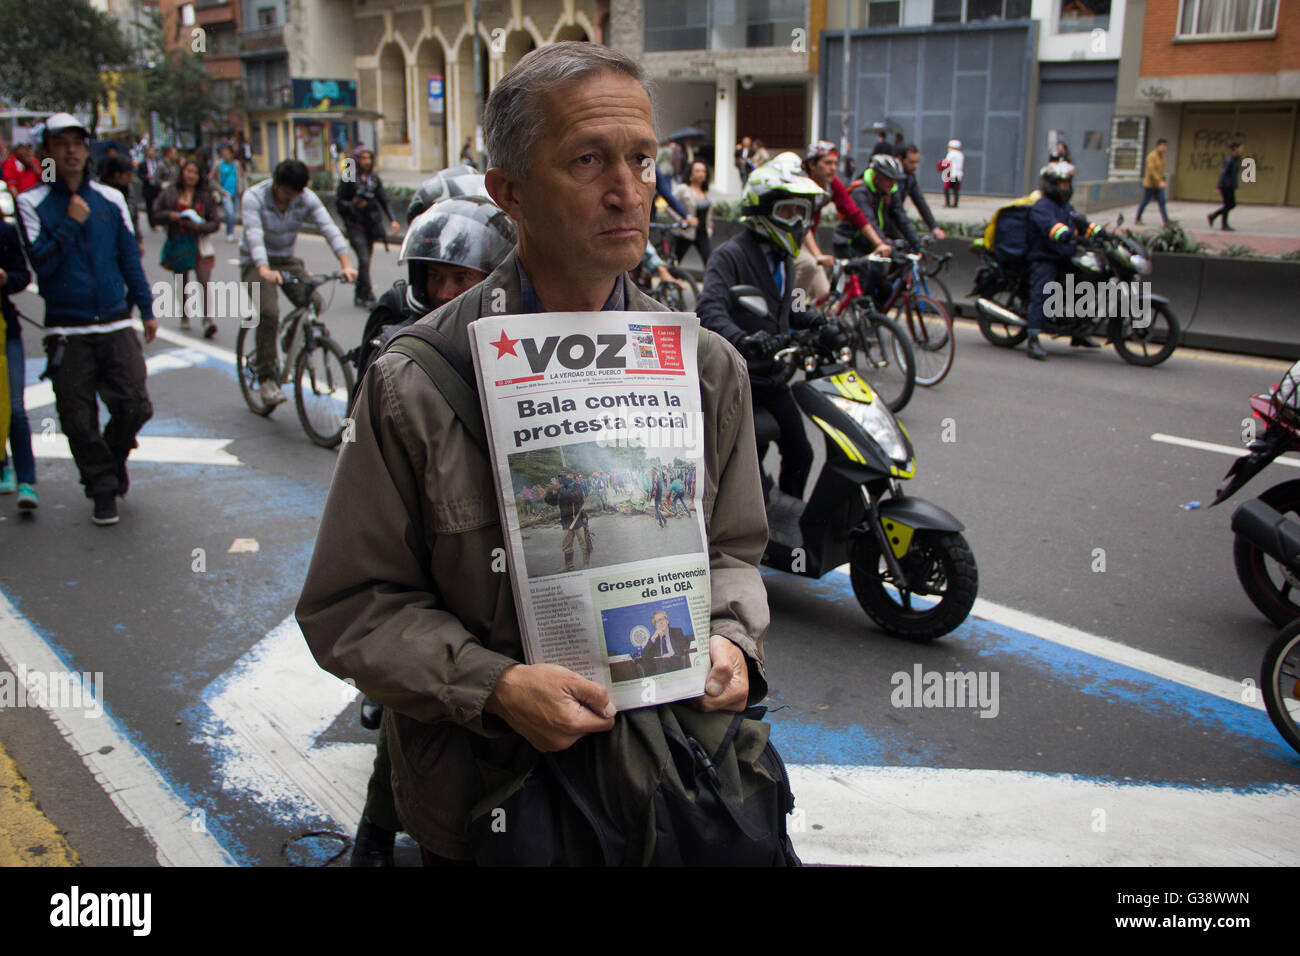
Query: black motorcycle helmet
point(1056, 181)
point(452, 182)
point(471, 231)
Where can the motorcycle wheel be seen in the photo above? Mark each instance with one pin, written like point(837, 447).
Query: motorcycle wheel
point(1272, 588)
point(1151, 345)
point(999, 333)
point(948, 566)
point(1279, 680)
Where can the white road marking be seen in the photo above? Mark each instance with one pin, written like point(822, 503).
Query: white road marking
point(1235, 452)
point(128, 777)
point(159, 448)
point(41, 394)
point(919, 816)
point(1108, 650)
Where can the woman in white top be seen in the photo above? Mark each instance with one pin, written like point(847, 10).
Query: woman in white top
point(952, 166)
point(694, 195)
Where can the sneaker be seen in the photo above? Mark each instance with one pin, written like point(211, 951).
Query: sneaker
point(1036, 350)
point(230, 237)
point(271, 394)
point(105, 510)
point(1210, 220)
point(1228, 228)
point(27, 498)
point(8, 481)
point(123, 480)
point(209, 328)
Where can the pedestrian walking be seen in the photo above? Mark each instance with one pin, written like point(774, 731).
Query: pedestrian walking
point(1227, 184)
point(228, 181)
point(953, 168)
point(694, 195)
point(191, 214)
point(363, 205)
point(17, 465)
point(80, 245)
point(1154, 182)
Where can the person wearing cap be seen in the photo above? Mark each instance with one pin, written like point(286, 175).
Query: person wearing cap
point(81, 246)
point(953, 167)
point(20, 169)
point(274, 212)
point(820, 163)
point(362, 203)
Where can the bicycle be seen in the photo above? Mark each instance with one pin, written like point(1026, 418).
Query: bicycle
point(931, 284)
point(926, 320)
point(671, 295)
point(322, 376)
point(882, 355)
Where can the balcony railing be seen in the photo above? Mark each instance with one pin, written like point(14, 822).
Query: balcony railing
point(262, 41)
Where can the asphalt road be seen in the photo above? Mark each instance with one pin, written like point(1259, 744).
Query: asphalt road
point(1072, 511)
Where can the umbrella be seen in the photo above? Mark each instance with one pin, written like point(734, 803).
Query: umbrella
point(688, 132)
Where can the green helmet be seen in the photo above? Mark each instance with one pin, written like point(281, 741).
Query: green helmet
point(778, 203)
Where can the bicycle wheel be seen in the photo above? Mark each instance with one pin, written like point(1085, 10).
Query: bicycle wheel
point(937, 289)
point(689, 296)
point(323, 382)
point(882, 355)
point(932, 335)
point(246, 371)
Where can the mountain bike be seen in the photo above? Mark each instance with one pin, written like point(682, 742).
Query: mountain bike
point(312, 360)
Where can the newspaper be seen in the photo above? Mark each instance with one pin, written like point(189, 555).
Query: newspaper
point(596, 435)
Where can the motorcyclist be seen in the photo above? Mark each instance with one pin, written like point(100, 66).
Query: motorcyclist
point(878, 195)
point(450, 247)
point(1053, 227)
point(451, 183)
point(776, 207)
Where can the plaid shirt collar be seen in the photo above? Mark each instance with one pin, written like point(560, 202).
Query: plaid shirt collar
point(617, 301)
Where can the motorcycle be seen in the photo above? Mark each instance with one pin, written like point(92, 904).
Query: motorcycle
point(1279, 677)
point(898, 547)
point(1105, 263)
point(1272, 586)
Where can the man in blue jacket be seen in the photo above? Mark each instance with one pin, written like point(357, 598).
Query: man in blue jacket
point(79, 240)
point(1053, 227)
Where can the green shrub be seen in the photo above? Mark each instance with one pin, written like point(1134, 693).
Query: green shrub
point(322, 181)
point(1236, 251)
point(1171, 237)
point(1292, 256)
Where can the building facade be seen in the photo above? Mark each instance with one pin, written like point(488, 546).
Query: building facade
point(1216, 70)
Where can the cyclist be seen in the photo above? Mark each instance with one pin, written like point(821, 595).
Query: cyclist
point(450, 247)
point(911, 189)
point(777, 209)
point(1053, 226)
point(274, 211)
point(878, 195)
point(820, 163)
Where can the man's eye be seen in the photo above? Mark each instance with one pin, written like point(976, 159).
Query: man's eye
point(586, 159)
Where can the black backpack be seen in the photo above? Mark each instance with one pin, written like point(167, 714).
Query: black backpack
point(668, 786)
point(379, 329)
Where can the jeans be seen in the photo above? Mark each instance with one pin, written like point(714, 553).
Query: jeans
point(229, 208)
point(20, 430)
point(112, 365)
point(363, 245)
point(680, 498)
point(1159, 196)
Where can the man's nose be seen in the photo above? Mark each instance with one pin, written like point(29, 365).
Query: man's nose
point(629, 185)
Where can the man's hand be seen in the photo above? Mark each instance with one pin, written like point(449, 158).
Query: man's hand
point(938, 233)
point(1163, 183)
point(692, 221)
point(150, 329)
point(550, 706)
point(267, 274)
point(348, 270)
point(825, 260)
point(727, 687)
point(78, 209)
point(884, 249)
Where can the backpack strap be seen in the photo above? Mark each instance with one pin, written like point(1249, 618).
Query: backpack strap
point(451, 371)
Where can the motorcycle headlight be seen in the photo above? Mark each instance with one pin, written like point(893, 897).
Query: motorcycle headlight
point(879, 424)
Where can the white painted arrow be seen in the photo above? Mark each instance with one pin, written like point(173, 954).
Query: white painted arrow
point(159, 448)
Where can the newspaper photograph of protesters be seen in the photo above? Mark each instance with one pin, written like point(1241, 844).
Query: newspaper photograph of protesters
point(589, 505)
point(643, 640)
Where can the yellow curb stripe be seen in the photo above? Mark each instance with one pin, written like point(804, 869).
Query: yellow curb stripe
point(27, 837)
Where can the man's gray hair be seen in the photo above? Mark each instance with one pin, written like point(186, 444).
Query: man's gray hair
point(513, 118)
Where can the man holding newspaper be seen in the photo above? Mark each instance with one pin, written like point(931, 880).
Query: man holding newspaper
point(408, 599)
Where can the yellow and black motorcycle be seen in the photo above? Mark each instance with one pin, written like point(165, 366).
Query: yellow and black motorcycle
point(911, 569)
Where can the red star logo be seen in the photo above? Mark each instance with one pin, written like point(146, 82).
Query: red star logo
point(505, 345)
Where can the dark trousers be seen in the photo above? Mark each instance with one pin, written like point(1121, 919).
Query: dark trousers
point(1158, 195)
point(701, 242)
point(363, 245)
point(110, 365)
point(1229, 203)
point(796, 452)
point(1041, 273)
point(381, 809)
point(952, 188)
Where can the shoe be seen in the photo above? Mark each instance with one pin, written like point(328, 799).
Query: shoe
point(123, 480)
point(209, 328)
point(230, 238)
point(271, 394)
point(1036, 350)
point(185, 323)
point(1138, 222)
point(1228, 228)
point(105, 510)
point(1083, 342)
point(27, 498)
point(373, 845)
point(371, 713)
point(8, 481)
point(1210, 220)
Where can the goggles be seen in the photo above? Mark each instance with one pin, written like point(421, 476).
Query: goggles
point(792, 213)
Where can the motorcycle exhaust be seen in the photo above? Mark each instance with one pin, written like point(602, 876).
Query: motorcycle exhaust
point(995, 311)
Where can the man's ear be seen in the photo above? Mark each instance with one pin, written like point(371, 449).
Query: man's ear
point(505, 192)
